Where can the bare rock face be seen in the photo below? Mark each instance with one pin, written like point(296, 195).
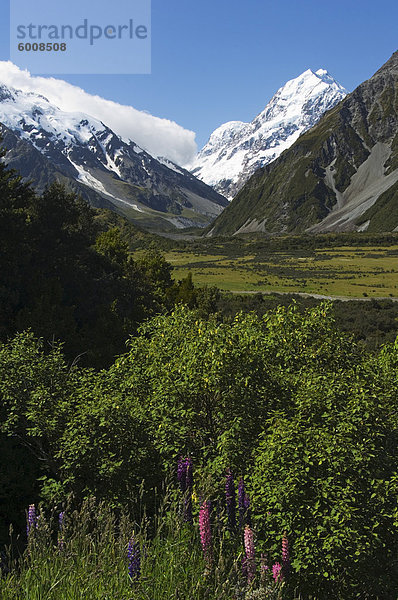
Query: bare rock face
point(341, 175)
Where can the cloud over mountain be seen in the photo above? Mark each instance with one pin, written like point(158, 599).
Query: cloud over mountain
point(159, 137)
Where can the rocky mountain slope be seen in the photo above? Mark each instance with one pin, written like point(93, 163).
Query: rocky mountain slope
point(342, 175)
point(236, 150)
point(45, 144)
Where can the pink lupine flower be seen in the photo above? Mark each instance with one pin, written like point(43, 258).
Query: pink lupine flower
point(285, 555)
point(205, 530)
point(277, 572)
point(248, 538)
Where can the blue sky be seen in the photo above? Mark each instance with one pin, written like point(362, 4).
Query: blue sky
point(220, 60)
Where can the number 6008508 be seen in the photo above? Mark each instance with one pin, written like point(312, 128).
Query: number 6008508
point(42, 47)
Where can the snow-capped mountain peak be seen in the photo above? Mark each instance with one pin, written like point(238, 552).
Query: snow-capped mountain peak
point(236, 149)
point(105, 168)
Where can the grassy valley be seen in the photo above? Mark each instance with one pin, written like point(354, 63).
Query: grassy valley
point(349, 267)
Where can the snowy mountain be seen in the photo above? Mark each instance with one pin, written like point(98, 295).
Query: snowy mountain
point(46, 144)
point(236, 149)
point(342, 175)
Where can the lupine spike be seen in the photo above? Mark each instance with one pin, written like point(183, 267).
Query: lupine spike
point(285, 555)
point(277, 572)
point(248, 538)
point(61, 520)
point(205, 531)
point(134, 558)
point(32, 520)
point(230, 500)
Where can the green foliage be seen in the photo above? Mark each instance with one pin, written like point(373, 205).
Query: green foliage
point(104, 448)
point(111, 244)
point(67, 433)
point(36, 395)
point(285, 399)
point(64, 278)
point(325, 471)
point(190, 378)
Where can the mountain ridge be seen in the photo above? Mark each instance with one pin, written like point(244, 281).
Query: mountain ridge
point(105, 169)
point(317, 185)
point(236, 149)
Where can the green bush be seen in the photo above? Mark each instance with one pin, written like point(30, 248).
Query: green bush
point(325, 471)
point(286, 400)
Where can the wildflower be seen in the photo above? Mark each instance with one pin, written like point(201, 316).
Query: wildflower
point(230, 500)
point(285, 556)
point(134, 558)
point(248, 538)
point(31, 524)
point(277, 572)
point(205, 530)
point(182, 474)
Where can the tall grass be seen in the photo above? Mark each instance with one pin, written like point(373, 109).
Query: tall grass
point(88, 559)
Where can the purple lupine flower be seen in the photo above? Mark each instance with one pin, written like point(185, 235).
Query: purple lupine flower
point(277, 572)
point(134, 558)
point(230, 500)
point(205, 531)
point(285, 556)
point(61, 517)
point(248, 538)
point(31, 523)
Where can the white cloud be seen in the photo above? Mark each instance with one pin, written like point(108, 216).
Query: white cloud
point(159, 137)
